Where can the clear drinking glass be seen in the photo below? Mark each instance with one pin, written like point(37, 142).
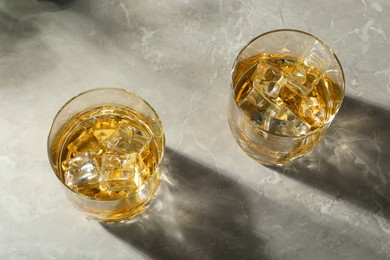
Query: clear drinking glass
point(287, 86)
point(106, 147)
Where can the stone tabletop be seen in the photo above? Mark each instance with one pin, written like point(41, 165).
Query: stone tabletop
point(215, 202)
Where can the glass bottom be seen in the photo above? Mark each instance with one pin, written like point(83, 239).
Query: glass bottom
point(265, 148)
point(119, 210)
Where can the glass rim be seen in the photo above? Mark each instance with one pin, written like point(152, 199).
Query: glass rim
point(314, 131)
point(299, 32)
point(94, 90)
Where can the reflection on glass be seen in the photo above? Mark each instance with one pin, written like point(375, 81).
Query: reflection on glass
point(287, 87)
point(106, 147)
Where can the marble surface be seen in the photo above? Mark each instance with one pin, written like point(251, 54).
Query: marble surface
point(215, 202)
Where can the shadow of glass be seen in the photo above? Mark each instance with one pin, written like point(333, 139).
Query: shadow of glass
point(353, 160)
point(198, 214)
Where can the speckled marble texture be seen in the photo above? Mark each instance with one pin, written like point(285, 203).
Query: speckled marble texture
point(215, 202)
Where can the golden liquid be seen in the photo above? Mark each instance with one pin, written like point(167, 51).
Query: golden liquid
point(297, 97)
point(278, 96)
point(123, 154)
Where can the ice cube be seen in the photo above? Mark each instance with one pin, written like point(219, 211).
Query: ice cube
point(299, 127)
point(268, 79)
point(83, 143)
point(128, 140)
point(102, 130)
point(253, 106)
point(80, 170)
point(314, 56)
point(260, 71)
point(277, 126)
point(135, 167)
point(123, 172)
point(313, 79)
point(285, 122)
point(313, 111)
point(303, 89)
point(259, 117)
point(298, 76)
point(301, 79)
point(267, 116)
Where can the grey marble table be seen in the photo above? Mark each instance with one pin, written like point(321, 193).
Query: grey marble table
point(215, 202)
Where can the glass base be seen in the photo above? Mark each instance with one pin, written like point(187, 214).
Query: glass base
point(271, 150)
point(115, 211)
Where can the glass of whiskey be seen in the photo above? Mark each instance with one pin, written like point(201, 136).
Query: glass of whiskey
point(106, 147)
point(287, 86)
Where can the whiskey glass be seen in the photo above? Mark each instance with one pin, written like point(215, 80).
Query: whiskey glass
point(106, 147)
point(287, 86)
